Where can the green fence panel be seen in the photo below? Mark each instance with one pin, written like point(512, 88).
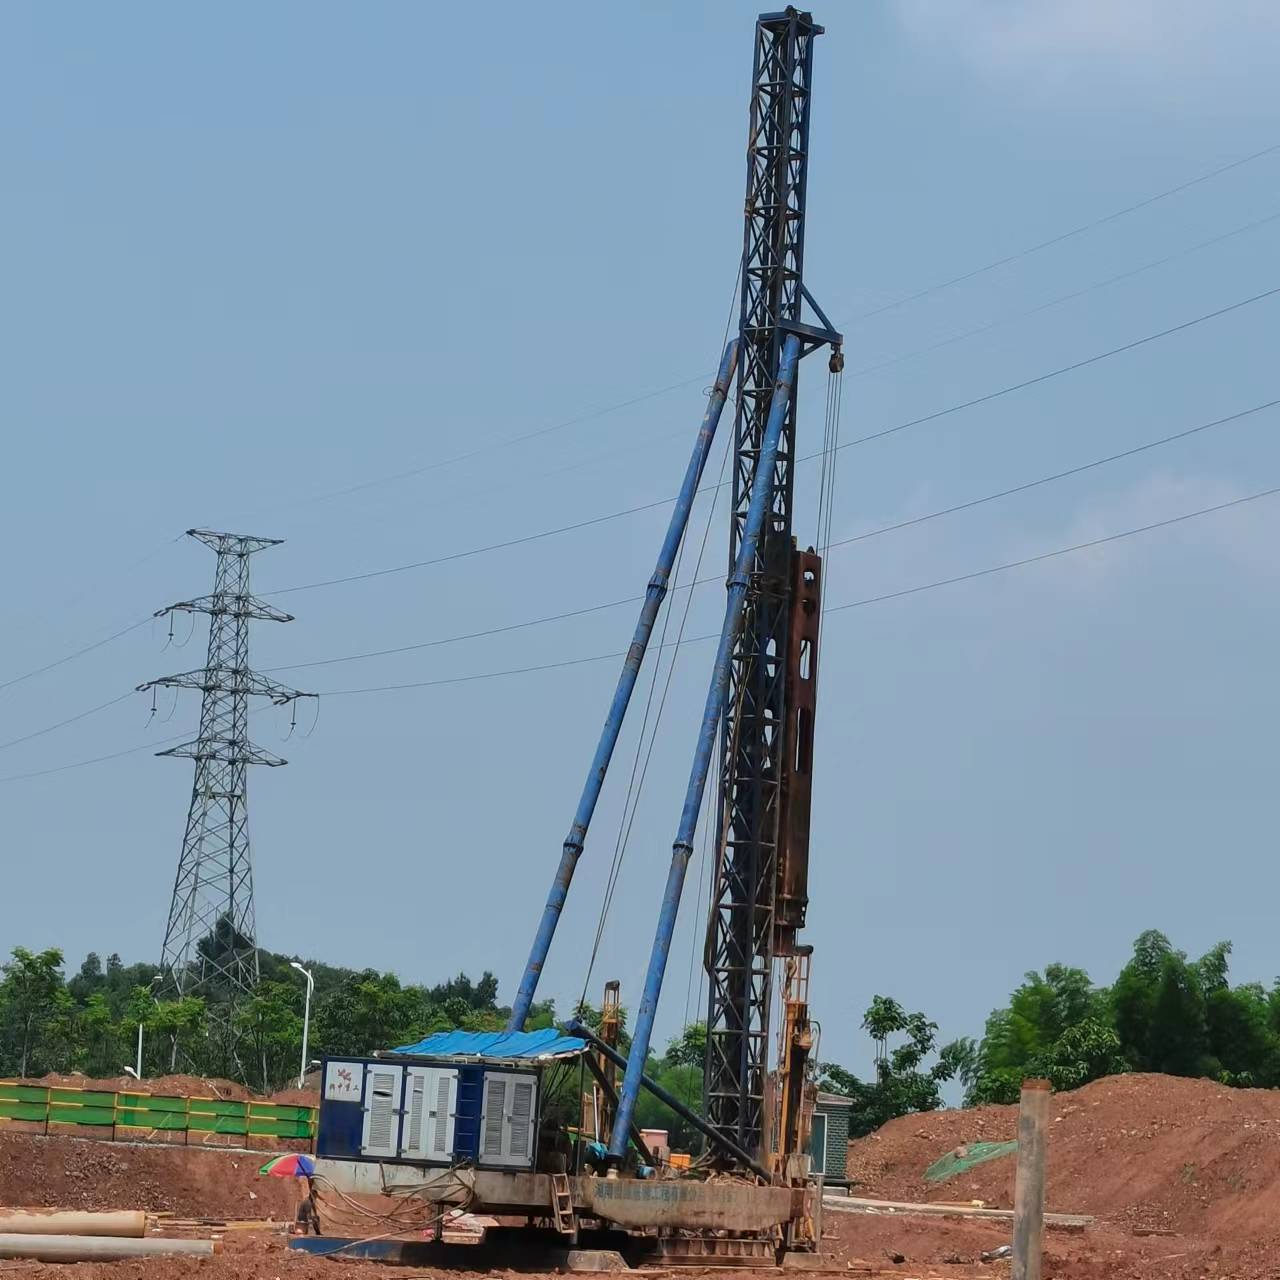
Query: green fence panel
point(156, 1103)
point(216, 1107)
point(280, 1111)
point(10, 1109)
point(279, 1128)
point(137, 1118)
point(199, 1123)
point(80, 1098)
point(24, 1093)
point(146, 1111)
point(82, 1115)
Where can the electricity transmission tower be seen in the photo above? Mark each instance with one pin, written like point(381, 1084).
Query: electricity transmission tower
point(210, 944)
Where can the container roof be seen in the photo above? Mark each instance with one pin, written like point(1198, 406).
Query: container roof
point(496, 1045)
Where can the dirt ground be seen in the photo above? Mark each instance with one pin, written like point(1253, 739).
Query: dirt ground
point(84, 1173)
point(1182, 1176)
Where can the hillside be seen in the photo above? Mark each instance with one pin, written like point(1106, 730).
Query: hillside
point(1139, 1151)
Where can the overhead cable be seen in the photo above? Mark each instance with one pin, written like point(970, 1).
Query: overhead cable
point(986, 398)
point(604, 657)
point(1066, 235)
point(842, 542)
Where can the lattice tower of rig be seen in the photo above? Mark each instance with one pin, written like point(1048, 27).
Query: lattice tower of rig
point(210, 940)
point(754, 915)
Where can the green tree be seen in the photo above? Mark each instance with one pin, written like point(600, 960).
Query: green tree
point(98, 1041)
point(903, 1084)
point(271, 1021)
point(34, 1014)
point(689, 1048)
point(182, 1025)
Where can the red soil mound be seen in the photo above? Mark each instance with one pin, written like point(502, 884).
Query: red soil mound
point(1145, 1151)
point(178, 1086)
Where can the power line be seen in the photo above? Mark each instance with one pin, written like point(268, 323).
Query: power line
point(79, 653)
point(1057, 475)
point(1055, 373)
point(1066, 235)
point(868, 370)
point(875, 435)
point(482, 675)
point(567, 614)
point(597, 520)
point(861, 537)
point(503, 443)
point(472, 551)
point(1060, 551)
point(81, 764)
point(604, 657)
point(851, 604)
point(82, 715)
point(903, 301)
point(469, 635)
point(690, 381)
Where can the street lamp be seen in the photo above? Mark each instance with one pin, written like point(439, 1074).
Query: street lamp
point(306, 1019)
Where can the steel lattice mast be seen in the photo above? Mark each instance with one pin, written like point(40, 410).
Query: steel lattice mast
point(742, 924)
point(210, 941)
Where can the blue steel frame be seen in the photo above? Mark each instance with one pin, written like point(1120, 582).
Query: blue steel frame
point(657, 590)
point(712, 715)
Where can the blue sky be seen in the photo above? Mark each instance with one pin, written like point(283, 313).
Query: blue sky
point(253, 257)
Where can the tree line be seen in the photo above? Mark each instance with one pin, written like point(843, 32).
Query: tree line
point(1163, 1013)
point(89, 1022)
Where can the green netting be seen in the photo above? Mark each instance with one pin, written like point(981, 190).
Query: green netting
point(140, 1118)
point(199, 1122)
point(217, 1107)
point(62, 1106)
point(80, 1098)
point(279, 1111)
point(964, 1158)
point(279, 1128)
point(59, 1114)
point(24, 1093)
point(151, 1103)
point(12, 1110)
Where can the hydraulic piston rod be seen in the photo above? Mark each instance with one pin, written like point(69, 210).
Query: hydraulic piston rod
point(657, 590)
point(682, 849)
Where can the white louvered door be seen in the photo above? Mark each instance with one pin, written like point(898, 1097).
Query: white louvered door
point(508, 1124)
point(383, 1084)
point(430, 1101)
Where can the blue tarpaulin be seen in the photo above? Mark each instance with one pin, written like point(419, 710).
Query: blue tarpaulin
point(548, 1043)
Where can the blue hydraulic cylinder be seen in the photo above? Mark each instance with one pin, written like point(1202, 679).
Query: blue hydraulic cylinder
point(657, 590)
point(682, 849)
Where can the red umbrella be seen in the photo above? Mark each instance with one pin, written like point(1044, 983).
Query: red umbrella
point(290, 1166)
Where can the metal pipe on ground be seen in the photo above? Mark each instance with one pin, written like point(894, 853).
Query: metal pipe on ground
point(99, 1248)
point(126, 1223)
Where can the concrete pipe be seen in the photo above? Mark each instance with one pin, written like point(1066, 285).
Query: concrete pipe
point(98, 1248)
point(63, 1222)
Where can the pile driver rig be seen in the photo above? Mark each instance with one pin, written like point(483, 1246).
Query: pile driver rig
point(457, 1118)
point(763, 690)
